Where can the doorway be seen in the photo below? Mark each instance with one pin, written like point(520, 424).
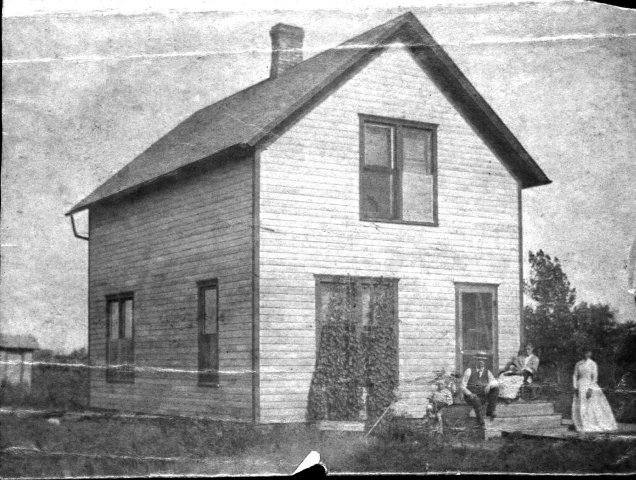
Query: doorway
point(476, 324)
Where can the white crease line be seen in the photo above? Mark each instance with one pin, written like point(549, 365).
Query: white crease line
point(92, 414)
point(487, 41)
point(102, 367)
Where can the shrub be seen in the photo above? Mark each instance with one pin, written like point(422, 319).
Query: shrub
point(560, 330)
point(13, 394)
point(58, 382)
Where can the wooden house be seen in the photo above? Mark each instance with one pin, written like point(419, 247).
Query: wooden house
point(16, 359)
point(373, 172)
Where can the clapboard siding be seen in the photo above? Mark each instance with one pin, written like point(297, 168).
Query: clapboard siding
point(309, 224)
point(158, 244)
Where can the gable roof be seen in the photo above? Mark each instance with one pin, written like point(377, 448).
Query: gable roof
point(256, 115)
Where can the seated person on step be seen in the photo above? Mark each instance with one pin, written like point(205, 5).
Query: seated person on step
point(480, 386)
point(520, 370)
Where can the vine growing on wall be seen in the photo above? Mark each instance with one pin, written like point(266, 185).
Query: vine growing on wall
point(351, 356)
point(336, 388)
point(381, 354)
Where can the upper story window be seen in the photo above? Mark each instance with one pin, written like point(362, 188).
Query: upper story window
point(120, 333)
point(398, 171)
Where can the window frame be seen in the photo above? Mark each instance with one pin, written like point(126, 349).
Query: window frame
point(120, 373)
point(468, 287)
point(397, 124)
point(212, 378)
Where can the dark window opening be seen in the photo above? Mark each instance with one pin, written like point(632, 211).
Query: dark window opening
point(208, 333)
point(120, 338)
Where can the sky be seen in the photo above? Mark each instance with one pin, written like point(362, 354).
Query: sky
point(87, 86)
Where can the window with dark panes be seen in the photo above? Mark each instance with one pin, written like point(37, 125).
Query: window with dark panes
point(378, 171)
point(398, 168)
point(208, 333)
point(120, 343)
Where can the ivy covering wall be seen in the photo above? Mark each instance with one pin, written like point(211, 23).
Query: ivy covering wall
point(357, 349)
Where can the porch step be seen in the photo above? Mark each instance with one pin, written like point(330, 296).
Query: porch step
point(340, 426)
point(624, 432)
point(525, 423)
point(549, 428)
point(560, 432)
point(522, 409)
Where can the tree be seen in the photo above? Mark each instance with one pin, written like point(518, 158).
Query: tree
point(549, 323)
point(559, 329)
point(549, 285)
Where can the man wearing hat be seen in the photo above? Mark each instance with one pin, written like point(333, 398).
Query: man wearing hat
point(479, 386)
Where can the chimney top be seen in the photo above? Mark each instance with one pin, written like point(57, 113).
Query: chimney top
point(287, 48)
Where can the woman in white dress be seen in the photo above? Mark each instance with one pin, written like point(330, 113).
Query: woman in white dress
point(590, 410)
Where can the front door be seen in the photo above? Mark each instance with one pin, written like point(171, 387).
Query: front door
point(476, 324)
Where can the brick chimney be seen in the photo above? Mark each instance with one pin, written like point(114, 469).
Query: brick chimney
point(287, 48)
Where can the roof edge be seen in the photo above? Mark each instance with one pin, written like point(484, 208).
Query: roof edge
point(472, 95)
point(237, 150)
point(524, 169)
point(271, 131)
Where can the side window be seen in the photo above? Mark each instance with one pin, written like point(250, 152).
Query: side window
point(208, 333)
point(398, 171)
point(120, 338)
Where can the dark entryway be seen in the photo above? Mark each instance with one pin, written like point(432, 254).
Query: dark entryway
point(476, 323)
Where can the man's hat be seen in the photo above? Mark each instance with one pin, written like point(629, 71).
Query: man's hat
point(481, 356)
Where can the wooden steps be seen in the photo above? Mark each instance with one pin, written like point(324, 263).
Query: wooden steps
point(340, 426)
point(514, 410)
point(625, 432)
point(528, 422)
point(523, 416)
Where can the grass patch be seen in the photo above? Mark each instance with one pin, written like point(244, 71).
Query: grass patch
point(143, 446)
point(513, 455)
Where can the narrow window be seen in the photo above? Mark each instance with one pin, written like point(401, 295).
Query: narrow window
point(378, 172)
point(398, 171)
point(120, 342)
point(208, 333)
point(417, 175)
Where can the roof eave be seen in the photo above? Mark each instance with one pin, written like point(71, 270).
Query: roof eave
point(504, 143)
point(524, 169)
point(240, 150)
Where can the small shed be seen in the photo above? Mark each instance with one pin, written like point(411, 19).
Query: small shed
point(16, 358)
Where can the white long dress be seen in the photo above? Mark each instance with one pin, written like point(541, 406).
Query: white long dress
point(590, 414)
